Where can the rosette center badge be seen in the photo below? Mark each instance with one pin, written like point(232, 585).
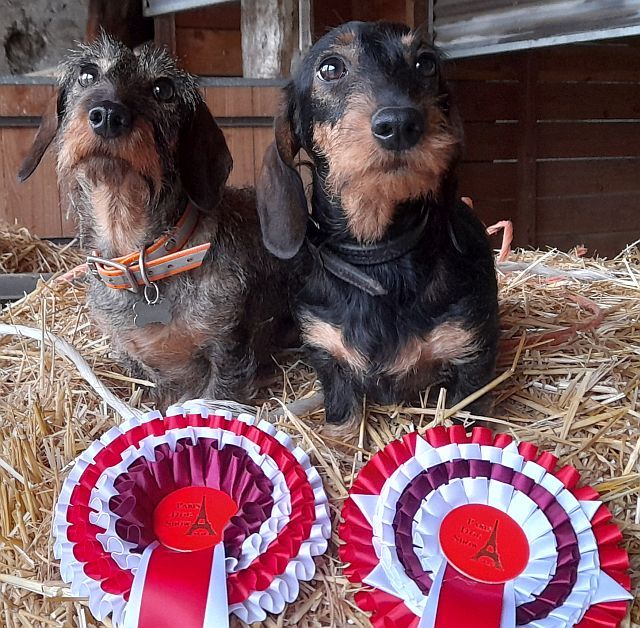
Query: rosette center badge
point(484, 543)
point(193, 518)
point(186, 519)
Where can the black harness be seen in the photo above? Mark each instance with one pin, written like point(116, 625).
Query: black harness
point(342, 259)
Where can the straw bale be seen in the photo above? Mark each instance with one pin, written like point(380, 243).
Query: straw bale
point(22, 252)
point(571, 363)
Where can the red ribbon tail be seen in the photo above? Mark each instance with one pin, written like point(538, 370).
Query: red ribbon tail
point(179, 588)
point(463, 602)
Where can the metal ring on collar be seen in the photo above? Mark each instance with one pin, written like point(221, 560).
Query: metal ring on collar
point(148, 284)
point(156, 296)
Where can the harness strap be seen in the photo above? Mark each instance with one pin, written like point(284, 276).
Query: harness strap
point(341, 259)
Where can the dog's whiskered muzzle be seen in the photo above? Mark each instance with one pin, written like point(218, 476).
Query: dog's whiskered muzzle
point(110, 119)
point(397, 128)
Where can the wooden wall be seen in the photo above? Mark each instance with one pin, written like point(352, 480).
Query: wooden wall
point(209, 41)
point(36, 203)
point(552, 142)
point(246, 117)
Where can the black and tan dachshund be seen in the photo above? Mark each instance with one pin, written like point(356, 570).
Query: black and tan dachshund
point(399, 289)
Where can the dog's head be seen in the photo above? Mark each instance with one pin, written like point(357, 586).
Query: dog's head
point(370, 105)
point(117, 111)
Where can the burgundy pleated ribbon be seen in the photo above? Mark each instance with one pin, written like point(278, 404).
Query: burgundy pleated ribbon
point(560, 585)
point(229, 469)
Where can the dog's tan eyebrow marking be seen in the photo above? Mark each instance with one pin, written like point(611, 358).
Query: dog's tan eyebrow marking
point(408, 43)
point(407, 40)
point(346, 39)
point(346, 45)
point(326, 336)
point(104, 64)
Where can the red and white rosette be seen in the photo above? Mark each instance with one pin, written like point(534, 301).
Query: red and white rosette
point(451, 530)
point(184, 519)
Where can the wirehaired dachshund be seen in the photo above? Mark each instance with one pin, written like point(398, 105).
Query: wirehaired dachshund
point(179, 281)
point(399, 290)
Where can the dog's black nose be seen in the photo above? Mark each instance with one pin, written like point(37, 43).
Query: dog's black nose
point(110, 119)
point(397, 128)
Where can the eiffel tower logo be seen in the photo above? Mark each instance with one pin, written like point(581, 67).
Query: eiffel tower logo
point(201, 522)
point(490, 549)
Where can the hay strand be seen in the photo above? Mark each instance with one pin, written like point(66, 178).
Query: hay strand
point(569, 380)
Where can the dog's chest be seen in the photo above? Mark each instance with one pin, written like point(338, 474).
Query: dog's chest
point(166, 348)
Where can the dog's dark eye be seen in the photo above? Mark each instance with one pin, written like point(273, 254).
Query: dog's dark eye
point(332, 69)
point(164, 90)
point(426, 64)
point(88, 75)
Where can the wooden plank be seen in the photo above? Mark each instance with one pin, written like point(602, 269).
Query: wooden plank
point(525, 220)
point(604, 244)
point(165, 31)
point(373, 10)
point(229, 101)
point(588, 139)
point(4, 208)
point(34, 204)
point(488, 181)
point(505, 67)
point(24, 100)
point(123, 20)
point(266, 100)
point(416, 12)
point(617, 60)
point(269, 37)
point(492, 211)
point(588, 101)
point(584, 177)
point(589, 214)
point(488, 141)
point(328, 14)
point(480, 101)
point(209, 52)
point(240, 142)
point(224, 17)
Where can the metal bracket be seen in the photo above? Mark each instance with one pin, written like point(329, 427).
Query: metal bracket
point(151, 8)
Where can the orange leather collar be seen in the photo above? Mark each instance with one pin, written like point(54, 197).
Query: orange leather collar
point(163, 258)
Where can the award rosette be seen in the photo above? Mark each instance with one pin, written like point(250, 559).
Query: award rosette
point(184, 519)
point(451, 530)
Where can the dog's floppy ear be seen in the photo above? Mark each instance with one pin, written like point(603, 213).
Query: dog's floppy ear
point(44, 136)
point(422, 33)
point(282, 206)
point(204, 158)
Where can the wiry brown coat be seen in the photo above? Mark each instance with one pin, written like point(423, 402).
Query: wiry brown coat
point(227, 315)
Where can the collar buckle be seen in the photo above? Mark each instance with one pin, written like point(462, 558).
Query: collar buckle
point(94, 260)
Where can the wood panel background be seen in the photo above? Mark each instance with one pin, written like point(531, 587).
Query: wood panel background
point(552, 143)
